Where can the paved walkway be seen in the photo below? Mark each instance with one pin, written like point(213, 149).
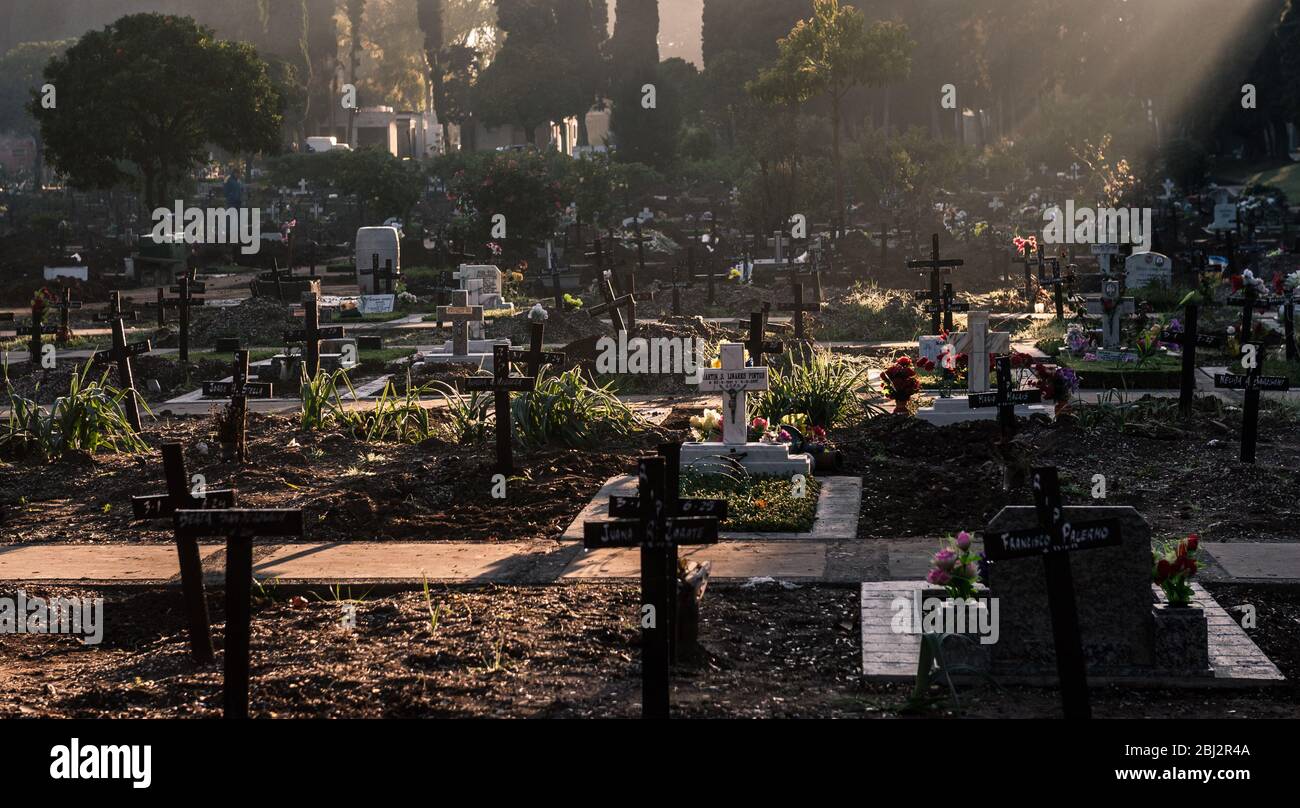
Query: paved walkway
point(546, 562)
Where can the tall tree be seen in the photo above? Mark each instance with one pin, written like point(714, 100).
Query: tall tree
point(829, 54)
point(356, 10)
point(429, 14)
point(155, 91)
point(20, 78)
point(322, 57)
point(634, 49)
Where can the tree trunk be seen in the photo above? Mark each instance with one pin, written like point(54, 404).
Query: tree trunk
point(584, 137)
point(835, 156)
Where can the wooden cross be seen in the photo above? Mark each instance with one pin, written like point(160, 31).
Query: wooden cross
point(239, 526)
point(757, 345)
point(799, 307)
point(1026, 262)
point(711, 273)
point(443, 287)
point(677, 285)
point(936, 266)
point(1005, 399)
point(1252, 384)
point(657, 531)
point(459, 315)
point(311, 334)
point(64, 305)
point(1056, 282)
point(502, 384)
point(37, 329)
point(624, 507)
point(535, 357)
point(179, 493)
point(554, 268)
point(1250, 300)
point(387, 274)
point(1190, 339)
point(1054, 539)
point(612, 305)
point(1288, 328)
point(946, 304)
point(239, 389)
point(114, 311)
point(121, 353)
point(186, 289)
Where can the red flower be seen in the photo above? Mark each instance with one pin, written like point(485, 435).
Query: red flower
point(1193, 541)
point(1163, 569)
point(905, 361)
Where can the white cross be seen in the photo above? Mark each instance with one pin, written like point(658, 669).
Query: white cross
point(977, 342)
point(733, 380)
point(302, 185)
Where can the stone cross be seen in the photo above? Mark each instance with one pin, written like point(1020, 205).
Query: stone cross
point(733, 380)
point(977, 342)
point(1114, 310)
point(460, 314)
point(657, 529)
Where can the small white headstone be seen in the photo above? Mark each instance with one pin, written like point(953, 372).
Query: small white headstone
point(1143, 269)
point(930, 347)
point(1225, 216)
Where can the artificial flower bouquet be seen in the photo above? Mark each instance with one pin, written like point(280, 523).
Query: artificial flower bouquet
point(1173, 567)
point(706, 426)
point(899, 382)
point(955, 567)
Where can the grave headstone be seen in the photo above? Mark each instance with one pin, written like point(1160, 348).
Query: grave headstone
point(1145, 269)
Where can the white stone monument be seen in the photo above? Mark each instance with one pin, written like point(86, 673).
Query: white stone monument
point(1144, 269)
point(734, 380)
point(489, 292)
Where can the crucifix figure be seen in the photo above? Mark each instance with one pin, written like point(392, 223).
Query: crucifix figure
point(936, 266)
point(239, 526)
point(798, 307)
point(179, 493)
point(757, 345)
point(978, 342)
point(311, 334)
point(121, 353)
point(535, 357)
point(239, 389)
point(733, 380)
point(1005, 399)
point(1252, 384)
point(460, 314)
point(657, 530)
point(1054, 539)
point(502, 384)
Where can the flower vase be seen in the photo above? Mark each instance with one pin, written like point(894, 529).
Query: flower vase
point(900, 406)
point(1062, 406)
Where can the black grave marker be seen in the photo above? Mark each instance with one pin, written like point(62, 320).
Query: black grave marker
point(1005, 399)
point(936, 266)
point(239, 389)
point(311, 334)
point(798, 307)
point(758, 345)
point(535, 357)
point(502, 384)
point(1190, 339)
point(121, 353)
point(1251, 384)
point(239, 526)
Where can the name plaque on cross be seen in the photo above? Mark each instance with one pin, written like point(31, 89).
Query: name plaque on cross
point(734, 380)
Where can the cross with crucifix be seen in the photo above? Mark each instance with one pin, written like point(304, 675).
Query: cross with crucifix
point(502, 384)
point(1054, 539)
point(239, 389)
point(757, 345)
point(1190, 338)
point(311, 334)
point(1252, 384)
point(239, 526)
point(179, 494)
point(798, 307)
point(733, 380)
point(114, 311)
point(535, 357)
point(1005, 399)
point(1114, 309)
point(657, 530)
point(936, 266)
point(459, 315)
point(121, 353)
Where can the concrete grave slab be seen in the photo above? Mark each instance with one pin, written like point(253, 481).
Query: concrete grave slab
point(731, 559)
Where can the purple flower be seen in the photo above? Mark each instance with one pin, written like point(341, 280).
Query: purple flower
point(963, 541)
point(938, 577)
point(945, 559)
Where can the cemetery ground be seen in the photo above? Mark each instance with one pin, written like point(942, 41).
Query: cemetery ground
point(568, 650)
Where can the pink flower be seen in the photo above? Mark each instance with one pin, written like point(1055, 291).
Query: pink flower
point(759, 423)
point(963, 541)
point(784, 436)
point(945, 559)
point(938, 577)
point(972, 570)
